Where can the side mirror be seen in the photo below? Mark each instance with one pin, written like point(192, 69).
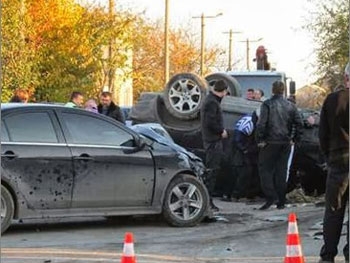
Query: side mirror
point(292, 88)
point(139, 144)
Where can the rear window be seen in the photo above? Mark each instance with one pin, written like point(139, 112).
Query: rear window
point(30, 127)
point(257, 82)
point(4, 134)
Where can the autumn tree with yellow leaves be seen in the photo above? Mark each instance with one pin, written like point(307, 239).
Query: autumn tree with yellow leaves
point(18, 65)
point(71, 42)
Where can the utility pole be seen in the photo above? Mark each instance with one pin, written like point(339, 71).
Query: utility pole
point(229, 66)
point(166, 43)
point(202, 17)
point(111, 70)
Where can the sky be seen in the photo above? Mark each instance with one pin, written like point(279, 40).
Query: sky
point(278, 22)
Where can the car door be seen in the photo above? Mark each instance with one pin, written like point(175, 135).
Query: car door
point(107, 170)
point(35, 159)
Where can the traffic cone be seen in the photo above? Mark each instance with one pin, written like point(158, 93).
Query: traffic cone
point(294, 252)
point(128, 249)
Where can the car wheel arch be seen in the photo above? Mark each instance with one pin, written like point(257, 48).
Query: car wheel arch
point(7, 209)
point(14, 197)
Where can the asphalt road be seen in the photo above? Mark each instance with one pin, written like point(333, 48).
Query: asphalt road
point(244, 235)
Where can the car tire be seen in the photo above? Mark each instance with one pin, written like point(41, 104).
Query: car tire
point(234, 88)
point(145, 110)
point(184, 210)
point(7, 209)
point(184, 95)
point(168, 121)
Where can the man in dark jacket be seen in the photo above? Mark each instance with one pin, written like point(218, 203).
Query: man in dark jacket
point(212, 133)
point(278, 126)
point(109, 108)
point(334, 142)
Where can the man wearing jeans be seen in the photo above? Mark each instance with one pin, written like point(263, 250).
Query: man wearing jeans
point(278, 126)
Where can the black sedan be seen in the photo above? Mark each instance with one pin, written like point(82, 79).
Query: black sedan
point(58, 162)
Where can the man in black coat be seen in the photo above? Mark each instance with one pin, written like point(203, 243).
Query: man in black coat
point(212, 133)
point(279, 125)
point(334, 142)
point(109, 108)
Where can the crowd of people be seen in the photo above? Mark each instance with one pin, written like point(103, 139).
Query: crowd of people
point(106, 106)
point(261, 146)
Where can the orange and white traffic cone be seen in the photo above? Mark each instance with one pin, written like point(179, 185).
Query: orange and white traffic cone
point(294, 252)
point(128, 249)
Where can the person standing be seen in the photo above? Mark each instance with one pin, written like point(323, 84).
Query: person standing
point(334, 142)
point(246, 151)
point(212, 134)
point(109, 108)
point(76, 100)
point(278, 126)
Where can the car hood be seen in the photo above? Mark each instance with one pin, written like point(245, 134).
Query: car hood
point(150, 130)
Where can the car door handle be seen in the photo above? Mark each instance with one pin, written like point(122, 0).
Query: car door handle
point(9, 155)
point(83, 157)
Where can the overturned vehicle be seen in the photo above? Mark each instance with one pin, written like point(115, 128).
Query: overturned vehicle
point(177, 109)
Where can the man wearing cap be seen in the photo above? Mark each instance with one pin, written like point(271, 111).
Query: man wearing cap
point(334, 142)
point(212, 133)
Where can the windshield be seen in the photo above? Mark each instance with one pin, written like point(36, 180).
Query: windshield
point(257, 82)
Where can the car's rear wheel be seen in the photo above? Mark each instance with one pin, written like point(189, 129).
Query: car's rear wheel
point(186, 201)
point(7, 209)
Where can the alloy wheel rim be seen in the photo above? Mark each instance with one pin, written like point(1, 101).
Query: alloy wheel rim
point(186, 201)
point(3, 209)
point(185, 96)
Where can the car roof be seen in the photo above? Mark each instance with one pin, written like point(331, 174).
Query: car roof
point(12, 105)
point(255, 73)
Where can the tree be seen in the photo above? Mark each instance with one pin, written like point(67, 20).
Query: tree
point(53, 47)
point(330, 28)
point(71, 41)
point(17, 55)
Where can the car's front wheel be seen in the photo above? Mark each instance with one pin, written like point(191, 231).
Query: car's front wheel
point(186, 201)
point(7, 209)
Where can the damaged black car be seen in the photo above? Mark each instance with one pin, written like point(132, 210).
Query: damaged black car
point(64, 162)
